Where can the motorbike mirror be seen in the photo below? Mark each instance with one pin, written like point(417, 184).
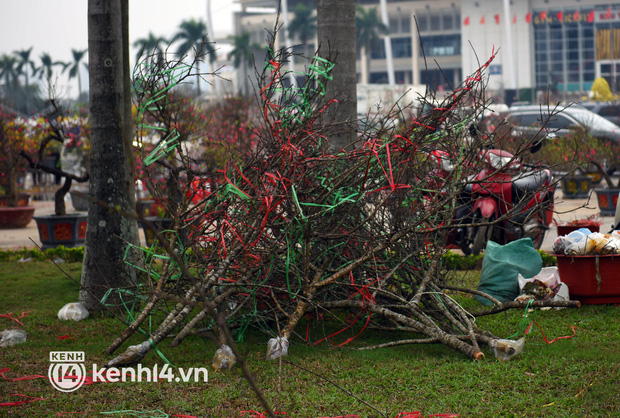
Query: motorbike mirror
point(474, 131)
point(536, 145)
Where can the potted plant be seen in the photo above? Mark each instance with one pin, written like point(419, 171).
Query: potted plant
point(570, 156)
point(15, 211)
point(604, 156)
point(60, 228)
point(75, 156)
point(593, 223)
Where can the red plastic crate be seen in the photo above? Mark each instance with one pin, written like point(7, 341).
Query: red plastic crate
point(579, 274)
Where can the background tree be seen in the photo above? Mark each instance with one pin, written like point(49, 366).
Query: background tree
point(74, 69)
point(193, 36)
point(24, 63)
point(243, 56)
point(22, 98)
point(24, 66)
point(46, 70)
point(111, 176)
point(8, 71)
point(303, 26)
point(150, 45)
point(368, 29)
point(336, 36)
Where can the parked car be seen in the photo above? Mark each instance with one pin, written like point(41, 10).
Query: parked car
point(528, 120)
point(610, 111)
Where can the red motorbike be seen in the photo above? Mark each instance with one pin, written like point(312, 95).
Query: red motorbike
point(510, 200)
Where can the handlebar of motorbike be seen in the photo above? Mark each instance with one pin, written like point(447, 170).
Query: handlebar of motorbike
point(538, 165)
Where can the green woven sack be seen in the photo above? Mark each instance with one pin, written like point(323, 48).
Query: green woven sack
point(501, 267)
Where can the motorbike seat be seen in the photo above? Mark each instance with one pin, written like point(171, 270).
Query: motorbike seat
point(528, 182)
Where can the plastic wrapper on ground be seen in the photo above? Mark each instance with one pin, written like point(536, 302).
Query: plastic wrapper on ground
point(224, 358)
point(133, 354)
point(11, 337)
point(277, 347)
point(504, 350)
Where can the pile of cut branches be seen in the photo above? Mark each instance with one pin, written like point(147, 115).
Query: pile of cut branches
point(295, 227)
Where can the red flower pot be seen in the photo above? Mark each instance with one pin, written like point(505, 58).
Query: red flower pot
point(17, 217)
point(567, 229)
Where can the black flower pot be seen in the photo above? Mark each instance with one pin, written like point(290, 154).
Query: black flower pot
point(67, 230)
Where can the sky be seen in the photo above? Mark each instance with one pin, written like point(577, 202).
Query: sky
point(57, 26)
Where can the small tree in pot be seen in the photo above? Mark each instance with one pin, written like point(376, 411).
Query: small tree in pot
point(13, 140)
point(60, 228)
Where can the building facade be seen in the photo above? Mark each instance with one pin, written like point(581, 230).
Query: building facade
point(554, 47)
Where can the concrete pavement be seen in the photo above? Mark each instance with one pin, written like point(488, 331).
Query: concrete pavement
point(16, 239)
point(566, 210)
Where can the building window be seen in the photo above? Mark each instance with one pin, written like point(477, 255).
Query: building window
point(379, 78)
point(402, 77)
point(441, 45)
point(394, 25)
point(423, 23)
point(435, 22)
point(377, 50)
point(447, 20)
point(405, 22)
point(401, 47)
point(440, 80)
point(564, 50)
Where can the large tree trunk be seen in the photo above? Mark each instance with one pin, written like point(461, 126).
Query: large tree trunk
point(336, 36)
point(111, 179)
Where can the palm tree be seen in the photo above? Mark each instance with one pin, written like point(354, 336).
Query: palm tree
point(24, 63)
point(150, 45)
point(74, 70)
point(243, 54)
point(303, 25)
point(193, 35)
point(22, 68)
point(21, 97)
point(46, 70)
point(8, 71)
point(368, 28)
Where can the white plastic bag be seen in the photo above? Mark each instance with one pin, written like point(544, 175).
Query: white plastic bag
point(74, 310)
point(277, 347)
point(602, 244)
point(548, 275)
point(562, 293)
point(12, 337)
point(575, 243)
point(224, 358)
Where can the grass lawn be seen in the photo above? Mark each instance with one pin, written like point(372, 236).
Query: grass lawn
point(571, 377)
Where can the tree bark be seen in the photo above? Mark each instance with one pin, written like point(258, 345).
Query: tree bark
point(111, 180)
point(336, 37)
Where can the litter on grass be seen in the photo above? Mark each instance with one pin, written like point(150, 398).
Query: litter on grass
point(74, 310)
point(11, 337)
